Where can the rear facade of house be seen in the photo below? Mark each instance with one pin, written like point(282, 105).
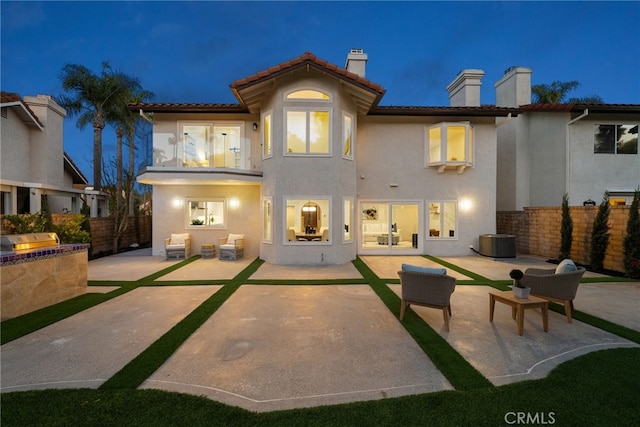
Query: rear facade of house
point(312, 170)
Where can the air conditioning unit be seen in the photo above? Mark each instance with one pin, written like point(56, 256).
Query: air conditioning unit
point(497, 245)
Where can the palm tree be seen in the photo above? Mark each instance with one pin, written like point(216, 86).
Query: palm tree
point(93, 100)
point(553, 93)
point(557, 91)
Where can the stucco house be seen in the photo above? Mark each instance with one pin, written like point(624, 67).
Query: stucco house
point(33, 161)
point(312, 170)
point(552, 149)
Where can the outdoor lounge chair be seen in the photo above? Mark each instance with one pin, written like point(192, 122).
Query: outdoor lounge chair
point(178, 245)
point(231, 247)
point(427, 290)
point(556, 287)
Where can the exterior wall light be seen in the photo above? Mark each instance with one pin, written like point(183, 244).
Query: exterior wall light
point(466, 205)
point(177, 203)
point(234, 203)
point(255, 127)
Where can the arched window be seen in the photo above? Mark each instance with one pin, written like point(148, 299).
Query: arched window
point(308, 94)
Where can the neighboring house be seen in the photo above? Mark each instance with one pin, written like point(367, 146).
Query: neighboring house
point(33, 161)
point(312, 170)
point(553, 149)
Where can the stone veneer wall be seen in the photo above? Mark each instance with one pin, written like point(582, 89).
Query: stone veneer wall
point(537, 232)
point(41, 278)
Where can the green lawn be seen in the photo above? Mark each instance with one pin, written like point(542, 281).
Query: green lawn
point(600, 388)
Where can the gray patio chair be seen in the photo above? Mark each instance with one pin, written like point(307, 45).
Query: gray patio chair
point(427, 290)
point(560, 288)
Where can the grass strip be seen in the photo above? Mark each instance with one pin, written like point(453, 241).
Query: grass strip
point(474, 276)
point(169, 269)
point(146, 363)
point(453, 366)
point(605, 325)
point(30, 322)
point(593, 390)
point(299, 282)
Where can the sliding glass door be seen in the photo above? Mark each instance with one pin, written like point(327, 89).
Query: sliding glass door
point(390, 227)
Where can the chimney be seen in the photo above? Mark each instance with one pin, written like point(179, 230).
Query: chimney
point(464, 90)
point(356, 62)
point(514, 88)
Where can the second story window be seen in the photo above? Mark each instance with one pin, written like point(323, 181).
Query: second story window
point(450, 145)
point(307, 123)
point(307, 132)
point(616, 139)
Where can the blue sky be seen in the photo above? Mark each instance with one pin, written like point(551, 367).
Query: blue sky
point(191, 51)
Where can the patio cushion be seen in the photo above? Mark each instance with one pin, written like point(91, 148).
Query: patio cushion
point(418, 269)
point(178, 239)
point(231, 240)
point(566, 266)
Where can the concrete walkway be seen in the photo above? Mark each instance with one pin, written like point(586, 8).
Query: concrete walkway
point(272, 347)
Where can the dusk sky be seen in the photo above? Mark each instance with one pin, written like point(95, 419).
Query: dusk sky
point(191, 51)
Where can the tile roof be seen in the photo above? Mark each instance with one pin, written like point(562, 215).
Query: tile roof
point(579, 108)
point(14, 99)
point(171, 107)
point(481, 111)
point(307, 58)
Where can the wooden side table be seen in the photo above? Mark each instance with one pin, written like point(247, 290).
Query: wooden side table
point(518, 306)
point(208, 250)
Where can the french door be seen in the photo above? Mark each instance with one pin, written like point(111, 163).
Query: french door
point(390, 227)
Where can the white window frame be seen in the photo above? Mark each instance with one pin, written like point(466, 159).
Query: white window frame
point(267, 219)
point(348, 219)
point(443, 161)
point(442, 236)
point(206, 225)
point(352, 131)
point(309, 88)
point(182, 148)
point(329, 215)
point(307, 153)
point(267, 134)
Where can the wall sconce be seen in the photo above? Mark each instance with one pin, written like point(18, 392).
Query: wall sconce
point(234, 203)
point(465, 205)
point(255, 127)
point(177, 203)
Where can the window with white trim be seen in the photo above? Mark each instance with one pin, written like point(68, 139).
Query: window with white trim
point(267, 149)
point(307, 220)
point(347, 136)
point(442, 219)
point(347, 215)
point(307, 131)
point(267, 220)
point(449, 145)
point(206, 213)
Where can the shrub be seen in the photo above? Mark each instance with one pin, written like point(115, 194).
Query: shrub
point(600, 235)
point(24, 223)
point(566, 230)
point(70, 230)
point(631, 242)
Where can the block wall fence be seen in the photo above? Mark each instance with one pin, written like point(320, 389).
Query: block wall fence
point(537, 231)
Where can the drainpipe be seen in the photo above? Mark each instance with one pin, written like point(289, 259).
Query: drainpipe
point(568, 149)
point(505, 121)
point(145, 117)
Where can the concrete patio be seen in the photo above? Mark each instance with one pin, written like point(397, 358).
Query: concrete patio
point(271, 347)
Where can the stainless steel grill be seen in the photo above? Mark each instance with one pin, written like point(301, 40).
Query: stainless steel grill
point(24, 242)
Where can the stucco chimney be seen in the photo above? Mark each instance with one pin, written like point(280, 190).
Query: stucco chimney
point(356, 62)
point(464, 90)
point(514, 88)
